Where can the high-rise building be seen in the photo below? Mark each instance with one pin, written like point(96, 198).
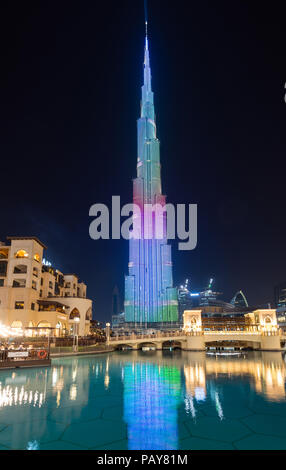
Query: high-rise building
point(150, 298)
point(115, 303)
point(239, 300)
point(280, 295)
point(280, 304)
point(207, 301)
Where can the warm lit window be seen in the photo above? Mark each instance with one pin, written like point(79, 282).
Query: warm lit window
point(3, 254)
point(37, 257)
point(21, 254)
point(19, 305)
point(74, 314)
point(16, 324)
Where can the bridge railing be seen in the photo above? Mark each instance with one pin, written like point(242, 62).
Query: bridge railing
point(174, 334)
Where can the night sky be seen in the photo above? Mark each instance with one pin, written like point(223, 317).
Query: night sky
point(70, 97)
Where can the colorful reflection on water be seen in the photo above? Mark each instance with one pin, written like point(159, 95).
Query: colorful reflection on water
point(146, 400)
point(151, 397)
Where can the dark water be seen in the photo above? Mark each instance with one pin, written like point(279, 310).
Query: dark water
point(146, 400)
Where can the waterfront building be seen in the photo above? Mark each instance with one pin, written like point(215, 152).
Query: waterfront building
point(280, 304)
point(38, 297)
point(118, 321)
point(207, 300)
point(150, 298)
point(280, 295)
point(115, 304)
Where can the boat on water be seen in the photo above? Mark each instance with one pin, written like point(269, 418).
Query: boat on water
point(224, 353)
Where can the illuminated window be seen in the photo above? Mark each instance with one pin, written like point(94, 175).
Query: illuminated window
point(19, 305)
point(3, 254)
point(44, 328)
point(37, 258)
point(16, 324)
point(21, 254)
point(74, 314)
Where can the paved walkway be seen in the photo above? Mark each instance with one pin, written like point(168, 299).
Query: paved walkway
point(81, 353)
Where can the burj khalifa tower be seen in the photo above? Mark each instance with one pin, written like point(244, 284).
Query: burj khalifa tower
point(150, 298)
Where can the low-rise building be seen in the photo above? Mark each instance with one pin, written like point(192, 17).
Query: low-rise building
point(280, 304)
point(37, 297)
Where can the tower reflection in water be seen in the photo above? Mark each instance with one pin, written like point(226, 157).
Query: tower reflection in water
point(155, 387)
point(151, 397)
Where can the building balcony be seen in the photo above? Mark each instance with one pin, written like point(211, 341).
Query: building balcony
point(52, 306)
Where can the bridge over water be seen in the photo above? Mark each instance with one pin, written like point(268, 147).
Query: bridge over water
point(260, 331)
point(197, 341)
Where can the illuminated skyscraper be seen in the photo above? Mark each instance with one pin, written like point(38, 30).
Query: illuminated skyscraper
point(150, 297)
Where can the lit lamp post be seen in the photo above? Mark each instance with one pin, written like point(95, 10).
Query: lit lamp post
point(107, 331)
point(75, 334)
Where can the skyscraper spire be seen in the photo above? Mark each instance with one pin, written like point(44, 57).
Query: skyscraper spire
point(147, 105)
point(146, 16)
point(146, 25)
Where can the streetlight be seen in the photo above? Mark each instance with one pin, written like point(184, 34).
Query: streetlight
point(75, 334)
point(107, 332)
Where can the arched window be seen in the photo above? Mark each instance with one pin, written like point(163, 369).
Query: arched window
point(37, 257)
point(44, 324)
point(74, 314)
point(21, 254)
point(88, 314)
point(16, 324)
point(44, 328)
